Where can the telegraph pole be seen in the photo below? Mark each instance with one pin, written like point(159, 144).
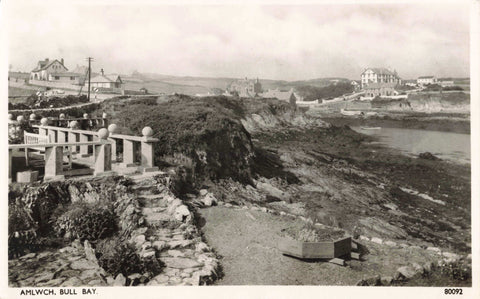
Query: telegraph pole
point(89, 72)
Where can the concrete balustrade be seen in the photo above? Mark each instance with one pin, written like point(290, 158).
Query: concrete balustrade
point(83, 139)
point(54, 157)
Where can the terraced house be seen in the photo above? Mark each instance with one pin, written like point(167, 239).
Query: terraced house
point(379, 75)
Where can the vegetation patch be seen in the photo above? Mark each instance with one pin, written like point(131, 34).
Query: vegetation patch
point(117, 256)
point(311, 233)
point(34, 101)
point(86, 221)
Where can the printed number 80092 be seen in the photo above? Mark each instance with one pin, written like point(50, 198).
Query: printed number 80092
point(453, 292)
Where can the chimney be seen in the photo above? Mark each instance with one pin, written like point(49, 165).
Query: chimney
point(46, 60)
point(61, 60)
point(101, 71)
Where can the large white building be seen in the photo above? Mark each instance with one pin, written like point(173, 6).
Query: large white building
point(55, 71)
point(379, 75)
point(424, 80)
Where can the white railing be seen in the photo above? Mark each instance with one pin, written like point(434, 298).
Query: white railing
point(130, 143)
point(54, 157)
point(102, 145)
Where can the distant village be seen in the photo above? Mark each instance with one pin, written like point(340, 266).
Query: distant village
point(53, 75)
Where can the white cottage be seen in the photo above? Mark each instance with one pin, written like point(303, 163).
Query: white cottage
point(106, 81)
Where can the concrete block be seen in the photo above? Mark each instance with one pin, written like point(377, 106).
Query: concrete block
point(27, 176)
point(309, 250)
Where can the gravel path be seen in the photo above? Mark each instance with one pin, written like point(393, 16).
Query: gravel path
point(247, 241)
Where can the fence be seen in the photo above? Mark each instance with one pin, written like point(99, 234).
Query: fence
point(102, 145)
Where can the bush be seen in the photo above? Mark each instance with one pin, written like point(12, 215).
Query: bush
point(86, 221)
point(116, 256)
point(457, 270)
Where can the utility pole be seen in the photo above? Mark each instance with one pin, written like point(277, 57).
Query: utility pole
point(89, 72)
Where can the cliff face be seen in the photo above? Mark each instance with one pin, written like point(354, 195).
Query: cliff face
point(276, 114)
point(427, 102)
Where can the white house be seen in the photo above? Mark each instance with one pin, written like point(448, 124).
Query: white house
point(424, 80)
point(106, 81)
point(46, 67)
point(379, 75)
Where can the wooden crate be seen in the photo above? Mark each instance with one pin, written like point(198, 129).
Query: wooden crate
point(316, 250)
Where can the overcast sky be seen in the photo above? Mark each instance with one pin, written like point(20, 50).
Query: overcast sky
point(275, 42)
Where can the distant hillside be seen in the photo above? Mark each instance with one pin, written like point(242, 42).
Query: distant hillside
point(192, 85)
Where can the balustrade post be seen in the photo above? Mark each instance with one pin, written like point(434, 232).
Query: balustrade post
point(53, 163)
point(128, 153)
point(52, 135)
point(103, 154)
point(43, 131)
point(72, 136)
point(83, 148)
point(61, 136)
point(111, 129)
point(147, 150)
point(10, 154)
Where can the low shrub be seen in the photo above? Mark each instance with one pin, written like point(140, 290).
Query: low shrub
point(116, 256)
point(86, 221)
point(456, 270)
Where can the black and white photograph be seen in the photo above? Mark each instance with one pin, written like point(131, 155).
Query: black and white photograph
point(194, 147)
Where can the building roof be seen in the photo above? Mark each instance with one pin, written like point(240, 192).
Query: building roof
point(80, 69)
point(426, 77)
point(44, 64)
point(106, 79)
point(381, 85)
point(381, 71)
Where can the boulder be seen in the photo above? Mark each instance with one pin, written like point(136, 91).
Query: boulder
point(203, 192)
point(134, 279)
point(428, 156)
point(182, 213)
point(83, 264)
point(209, 200)
point(139, 240)
point(89, 252)
point(201, 247)
point(405, 272)
point(120, 280)
point(386, 280)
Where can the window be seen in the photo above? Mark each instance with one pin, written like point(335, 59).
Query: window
point(72, 78)
point(57, 77)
